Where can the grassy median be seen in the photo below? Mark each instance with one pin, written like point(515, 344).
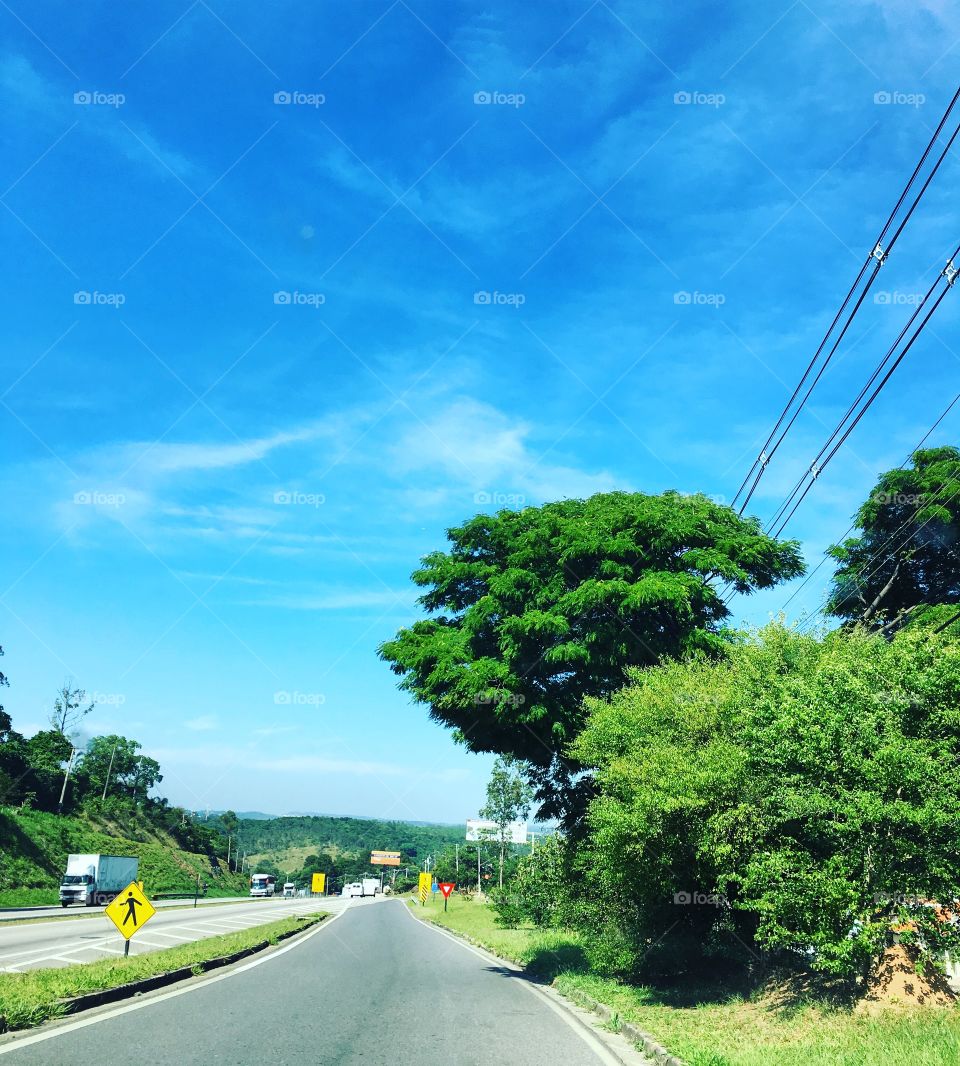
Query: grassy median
point(710, 1026)
point(27, 999)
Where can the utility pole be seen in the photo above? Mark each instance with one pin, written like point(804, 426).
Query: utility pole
point(456, 853)
point(479, 885)
point(229, 838)
point(109, 769)
point(66, 778)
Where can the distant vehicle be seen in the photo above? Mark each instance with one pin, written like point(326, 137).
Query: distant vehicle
point(289, 890)
point(263, 885)
point(352, 889)
point(96, 879)
point(371, 886)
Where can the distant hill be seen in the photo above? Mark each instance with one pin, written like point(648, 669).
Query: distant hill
point(318, 832)
point(34, 846)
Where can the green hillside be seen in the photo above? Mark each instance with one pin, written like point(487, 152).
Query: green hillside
point(34, 846)
point(277, 835)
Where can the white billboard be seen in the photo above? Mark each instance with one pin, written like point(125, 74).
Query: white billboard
point(483, 829)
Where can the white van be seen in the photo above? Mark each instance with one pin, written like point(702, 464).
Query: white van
point(289, 890)
point(352, 889)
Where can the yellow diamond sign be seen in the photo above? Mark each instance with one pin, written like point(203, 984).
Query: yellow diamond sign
point(131, 910)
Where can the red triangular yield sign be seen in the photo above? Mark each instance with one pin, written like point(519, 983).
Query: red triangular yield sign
point(446, 887)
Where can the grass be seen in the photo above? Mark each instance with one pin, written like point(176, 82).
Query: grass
point(709, 1026)
point(28, 999)
point(34, 846)
point(545, 953)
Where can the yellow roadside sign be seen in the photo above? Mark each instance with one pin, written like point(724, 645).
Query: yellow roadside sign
point(424, 886)
point(131, 910)
point(318, 883)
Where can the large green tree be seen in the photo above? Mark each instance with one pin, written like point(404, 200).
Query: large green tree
point(112, 765)
point(907, 551)
point(532, 611)
point(800, 796)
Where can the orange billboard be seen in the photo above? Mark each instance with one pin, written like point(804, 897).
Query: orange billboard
point(384, 858)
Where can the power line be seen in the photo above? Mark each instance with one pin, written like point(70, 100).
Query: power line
point(878, 256)
point(853, 525)
point(840, 435)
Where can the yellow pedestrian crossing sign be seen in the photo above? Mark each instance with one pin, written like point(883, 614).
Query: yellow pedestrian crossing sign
point(131, 910)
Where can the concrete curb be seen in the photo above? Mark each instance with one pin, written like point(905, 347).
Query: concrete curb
point(660, 1055)
point(657, 1052)
point(102, 997)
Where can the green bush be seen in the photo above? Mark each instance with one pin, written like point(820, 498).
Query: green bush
point(798, 797)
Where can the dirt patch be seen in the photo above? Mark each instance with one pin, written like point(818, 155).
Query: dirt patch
point(896, 983)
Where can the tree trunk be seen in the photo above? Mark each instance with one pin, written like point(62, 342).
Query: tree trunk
point(871, 610)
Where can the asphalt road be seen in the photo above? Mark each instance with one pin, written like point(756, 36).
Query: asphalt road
point(18, 914)
point(372, 987)
point(36, 945)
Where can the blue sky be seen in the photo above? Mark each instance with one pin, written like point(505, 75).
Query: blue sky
point(222, 464)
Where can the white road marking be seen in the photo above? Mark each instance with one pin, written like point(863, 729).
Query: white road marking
point(69, 1027)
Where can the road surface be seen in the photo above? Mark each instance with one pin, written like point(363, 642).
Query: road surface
point(371, 986)
point(18, 914)
point(36, 945)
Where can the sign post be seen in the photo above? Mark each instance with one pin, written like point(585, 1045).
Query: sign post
point(446, 887)
point(318, 884)
point(130, 911)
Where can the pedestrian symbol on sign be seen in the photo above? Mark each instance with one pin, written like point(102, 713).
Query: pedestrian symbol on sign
point(131, 903)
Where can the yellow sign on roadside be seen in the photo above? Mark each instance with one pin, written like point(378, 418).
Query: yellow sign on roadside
point(131, 910)
point(424, 886)
point(318, 884)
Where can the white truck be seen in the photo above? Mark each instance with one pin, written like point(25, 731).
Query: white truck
point(354, 888)
point(370, 886)
point(96, 879)
point(289, 890)
point(263, 885)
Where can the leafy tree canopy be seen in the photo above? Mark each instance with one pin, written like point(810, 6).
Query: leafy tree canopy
point(908, 550)
point(533, 610)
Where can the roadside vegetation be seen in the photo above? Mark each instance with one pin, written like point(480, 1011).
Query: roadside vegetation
point(34, 846)
point(28, 999)
point(705, 1023)
point(757, 857)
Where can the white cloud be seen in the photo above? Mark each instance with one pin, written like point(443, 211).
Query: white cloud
point(203, 724)
point(478, 446)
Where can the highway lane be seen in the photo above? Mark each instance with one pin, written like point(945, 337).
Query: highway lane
point(18, 914)
point(371, 986)
point(36, 945)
